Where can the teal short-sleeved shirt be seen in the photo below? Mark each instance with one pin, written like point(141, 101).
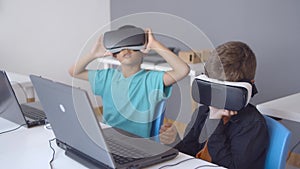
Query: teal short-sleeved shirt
point(129, 103)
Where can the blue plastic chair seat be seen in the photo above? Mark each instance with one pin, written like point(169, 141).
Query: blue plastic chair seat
point(158, 120)
point(279, 143)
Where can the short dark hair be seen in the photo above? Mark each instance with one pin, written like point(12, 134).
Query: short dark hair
point(231, 61)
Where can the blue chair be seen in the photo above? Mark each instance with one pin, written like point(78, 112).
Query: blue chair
point(279, 143)
point(159, 116)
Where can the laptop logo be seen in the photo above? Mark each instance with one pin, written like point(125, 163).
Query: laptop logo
point(62, 108)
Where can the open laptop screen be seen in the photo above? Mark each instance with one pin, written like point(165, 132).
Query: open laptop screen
point(9, 106)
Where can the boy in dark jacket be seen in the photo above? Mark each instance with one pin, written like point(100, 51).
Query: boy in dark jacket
point(233, 139)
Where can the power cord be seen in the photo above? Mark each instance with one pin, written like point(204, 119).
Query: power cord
point(53, 154)
point(206, 166)
point(13, 129)
point(172, 165)
point(188, 159)
point(47, 125)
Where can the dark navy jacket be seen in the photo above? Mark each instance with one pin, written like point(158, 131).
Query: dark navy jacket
point(239, 144)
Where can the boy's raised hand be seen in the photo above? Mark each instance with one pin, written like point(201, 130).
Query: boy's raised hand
point(150, 41)
point(98, 49)
point(168, 133)
point(215, 113)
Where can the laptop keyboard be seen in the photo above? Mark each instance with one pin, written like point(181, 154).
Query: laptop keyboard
point(122, 154)
point(33, 113)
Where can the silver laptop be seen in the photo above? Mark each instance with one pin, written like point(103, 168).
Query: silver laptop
point(79, 133)
point(29, 114)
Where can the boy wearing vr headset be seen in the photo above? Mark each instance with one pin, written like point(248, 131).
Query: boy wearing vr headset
point(235, 139)
point(130, 94)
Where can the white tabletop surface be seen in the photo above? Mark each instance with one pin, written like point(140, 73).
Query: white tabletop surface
point(286, 107)
point(29, 149)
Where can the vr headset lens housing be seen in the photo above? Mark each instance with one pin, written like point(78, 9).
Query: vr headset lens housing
point(221, 94)
point(126, 38)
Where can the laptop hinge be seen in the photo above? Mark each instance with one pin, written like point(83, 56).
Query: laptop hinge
point(85, 159)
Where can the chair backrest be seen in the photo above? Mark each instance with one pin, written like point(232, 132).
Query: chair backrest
point(279, 144)
point(158, 119)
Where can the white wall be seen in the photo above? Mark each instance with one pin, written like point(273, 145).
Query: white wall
point(44, 37)
point(270, 27)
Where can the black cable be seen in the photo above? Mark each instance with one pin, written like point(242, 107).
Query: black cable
point(292, 149)
point(206, 166)
point(171, 165)
point(48, 125)
point(53, 154)
point(13, 129)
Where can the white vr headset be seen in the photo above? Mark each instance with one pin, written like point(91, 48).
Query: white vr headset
point(222, 94)
point(127, 37)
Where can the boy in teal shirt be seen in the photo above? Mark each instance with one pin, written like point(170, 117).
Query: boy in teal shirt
point(129, 95)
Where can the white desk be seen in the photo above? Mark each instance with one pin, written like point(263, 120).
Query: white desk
point(286, 107)
point(18, 149)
